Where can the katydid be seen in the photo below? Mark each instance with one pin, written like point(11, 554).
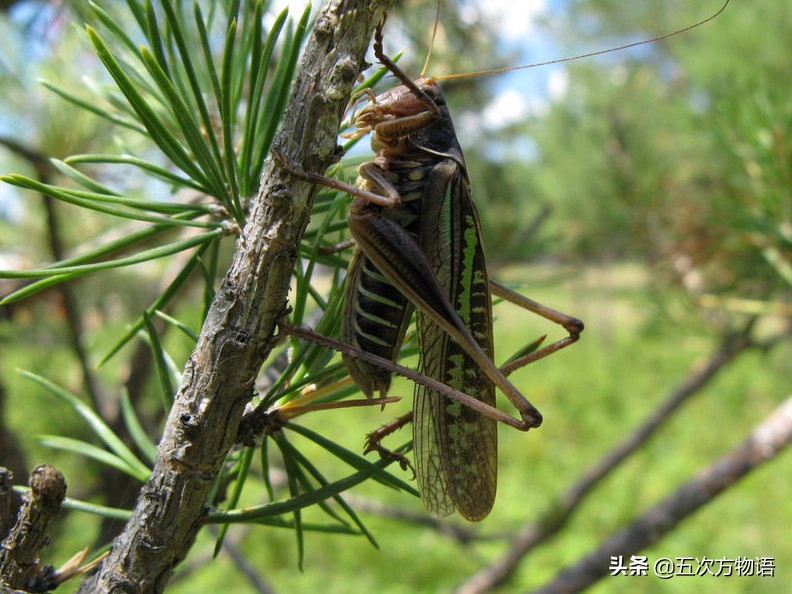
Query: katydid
point(419, 249)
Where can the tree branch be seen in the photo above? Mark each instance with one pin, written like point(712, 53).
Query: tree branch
point(766, 441)
point(6, 502)
point(237, 334)
point(19, 555)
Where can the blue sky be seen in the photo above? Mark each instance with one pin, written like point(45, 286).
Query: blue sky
point(521, 33)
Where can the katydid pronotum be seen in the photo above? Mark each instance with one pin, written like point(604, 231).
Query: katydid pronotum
point(419, 249)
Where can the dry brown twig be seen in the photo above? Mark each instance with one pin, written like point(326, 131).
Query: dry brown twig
point(537, 532)
point(21, 548)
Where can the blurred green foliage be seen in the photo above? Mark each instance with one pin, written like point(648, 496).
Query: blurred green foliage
point(656, 206)
point(677, 154)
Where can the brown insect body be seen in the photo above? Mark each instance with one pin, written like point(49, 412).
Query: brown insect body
point(420, 166)
point(378, 314)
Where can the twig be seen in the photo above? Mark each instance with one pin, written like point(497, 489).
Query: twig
point(245, 567)
point(34, 157)
point(115, 484)
point(766, 441)
point(13, 461)
point(74, 315)
point(535, 533)
point(6, 501)
point(74, 318)
point(200, 559)
point(237, 335)
point(19, 554)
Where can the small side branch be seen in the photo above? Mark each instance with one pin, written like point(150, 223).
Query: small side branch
point(19, 553)
point(766, 441)
point(6, 502)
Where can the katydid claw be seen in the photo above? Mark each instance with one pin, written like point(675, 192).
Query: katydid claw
point(373, 445)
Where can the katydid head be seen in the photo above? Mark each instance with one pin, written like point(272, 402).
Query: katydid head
point(400, 103)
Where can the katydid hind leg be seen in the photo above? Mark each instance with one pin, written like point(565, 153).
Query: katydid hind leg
point(341, 246)
point(411, 374)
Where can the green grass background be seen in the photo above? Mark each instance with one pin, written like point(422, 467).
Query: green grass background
point(592, 396)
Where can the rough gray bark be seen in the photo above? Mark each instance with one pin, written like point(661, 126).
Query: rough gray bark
point(237, 334)
point(6, 502)
point(19, 554)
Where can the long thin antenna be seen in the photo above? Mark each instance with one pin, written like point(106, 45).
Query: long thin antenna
point(432, 42)
point(588, 55)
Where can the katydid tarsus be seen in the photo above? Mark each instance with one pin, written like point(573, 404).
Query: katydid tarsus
point(419, 249)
